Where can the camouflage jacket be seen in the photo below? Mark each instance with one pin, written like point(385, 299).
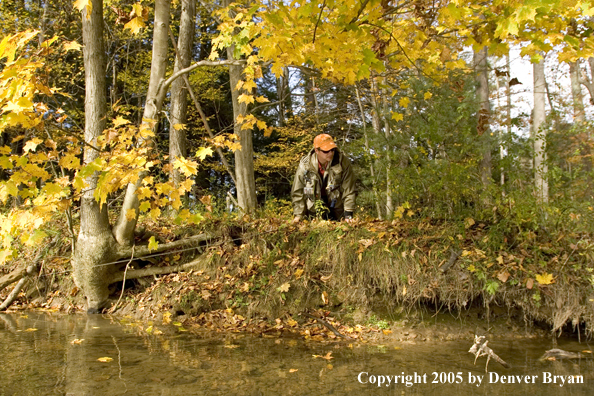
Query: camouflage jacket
point(338, 180)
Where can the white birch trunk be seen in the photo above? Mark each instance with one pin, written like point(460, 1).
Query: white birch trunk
point(539, 134)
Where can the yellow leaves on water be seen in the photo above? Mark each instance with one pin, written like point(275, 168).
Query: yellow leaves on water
point(30, 330)
point(167, 318)
point(77, 341)
point(105, 359)
point(327, 356)
point(545, 279)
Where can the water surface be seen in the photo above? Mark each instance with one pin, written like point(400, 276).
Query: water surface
point(51, 354)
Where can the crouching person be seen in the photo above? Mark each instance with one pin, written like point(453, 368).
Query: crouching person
point(325, 176)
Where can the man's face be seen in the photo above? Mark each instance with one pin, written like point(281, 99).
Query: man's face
point(324, 156)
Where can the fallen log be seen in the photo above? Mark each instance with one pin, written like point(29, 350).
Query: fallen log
point(15, 276)
point(14, 293)
point(170, 269)
point(141, 251)
point(480, 348)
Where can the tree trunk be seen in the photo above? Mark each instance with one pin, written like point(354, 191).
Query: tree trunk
point(376, 124)
point(367, 151)
point(244, 157)
point(124, 229)
point(539, 134)
point(95, 241)
point(483, 126)
point(179, 93)
point(576, 93)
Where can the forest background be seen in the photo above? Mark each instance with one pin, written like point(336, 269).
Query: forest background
point(131, 129)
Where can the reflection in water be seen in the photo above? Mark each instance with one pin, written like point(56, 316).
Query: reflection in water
point(46, 354)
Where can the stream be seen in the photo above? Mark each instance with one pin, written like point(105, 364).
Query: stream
point(55, 354)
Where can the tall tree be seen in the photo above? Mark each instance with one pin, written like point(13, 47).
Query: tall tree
point(539, 133)
point(244, 157)
point(576, 92)
point(124, 228)
point(484, 116)
point(179, 93)
point(95, 240)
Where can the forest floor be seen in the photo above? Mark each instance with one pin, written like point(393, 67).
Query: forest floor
point(373, 281)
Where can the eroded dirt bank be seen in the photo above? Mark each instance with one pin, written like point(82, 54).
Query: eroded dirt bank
point(403, 281)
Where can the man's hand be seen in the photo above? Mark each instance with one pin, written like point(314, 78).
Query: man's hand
point(348, 217)
point(296, 219)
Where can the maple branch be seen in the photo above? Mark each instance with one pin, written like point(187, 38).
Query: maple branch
point(202, 115)
point(318, 22)
point(164, 84)
point(355, 18)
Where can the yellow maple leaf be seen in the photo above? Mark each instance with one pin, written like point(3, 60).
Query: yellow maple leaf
point(243, 98)
point(397, 116)
point(130, 214)
point(120, 121)
point(153, 244)
point(84, 4)
point(72, 46)
point(187, 167)
point(135, 25)
point(427, 95)
point(32, 144)
point(545, 279)
point(403, 102)
point(203, 152)
point(284, 287)
point(69, 161)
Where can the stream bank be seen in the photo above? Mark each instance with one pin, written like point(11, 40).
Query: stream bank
point(403, 281)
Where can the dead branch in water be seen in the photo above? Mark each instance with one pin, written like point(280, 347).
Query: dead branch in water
point(480, 348)
point(327, 325)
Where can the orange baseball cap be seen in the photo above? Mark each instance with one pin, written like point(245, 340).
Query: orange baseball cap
point(324, 142)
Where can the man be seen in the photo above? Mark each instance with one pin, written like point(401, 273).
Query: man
point(325, 175)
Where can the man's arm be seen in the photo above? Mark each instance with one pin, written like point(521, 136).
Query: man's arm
point(349, 192)
point(297, 195)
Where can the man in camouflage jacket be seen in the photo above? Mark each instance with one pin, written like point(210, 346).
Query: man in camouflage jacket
point(326, 175)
